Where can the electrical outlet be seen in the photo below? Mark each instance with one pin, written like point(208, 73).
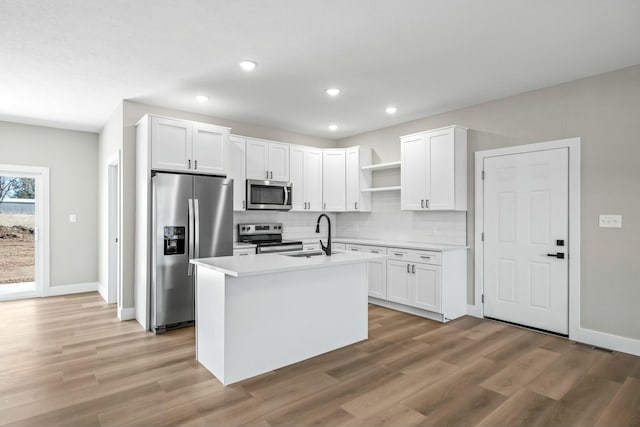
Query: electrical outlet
point(610, 221)
point(73, 218)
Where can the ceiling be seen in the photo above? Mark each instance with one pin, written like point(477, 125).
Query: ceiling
point(68, 63)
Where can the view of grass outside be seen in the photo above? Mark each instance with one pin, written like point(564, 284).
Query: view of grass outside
point(17, 223)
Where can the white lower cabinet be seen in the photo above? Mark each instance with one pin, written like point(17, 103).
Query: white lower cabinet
point(244, 252)
point(398, 282)
point(376, 270)
point(418, 281)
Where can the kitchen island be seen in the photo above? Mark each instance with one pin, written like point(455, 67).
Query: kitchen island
point(258, 313)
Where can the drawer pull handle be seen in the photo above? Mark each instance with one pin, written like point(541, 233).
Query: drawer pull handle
point(413, 269)
point(375, 252)
point(398, 254)
point(425, 257)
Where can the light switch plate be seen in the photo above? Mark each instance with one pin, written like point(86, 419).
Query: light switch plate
point(610, 221)
point(73, 218)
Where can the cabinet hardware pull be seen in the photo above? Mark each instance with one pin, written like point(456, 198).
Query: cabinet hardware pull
point(398, 254)
point(244, 204)
point(267, 172)
point(356, 205)
point(271, 174)
point(413, 269)
point(189, 163)
point(422, 204)
point(195, 164)
point(425, 257)
point(243, 254)
point(408, 268)
point(355, 249)
point(325, 206)
point(375, 252)
point(427, 203)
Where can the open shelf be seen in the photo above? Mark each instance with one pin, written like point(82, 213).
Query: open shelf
point(381, 166)
point(375, 189)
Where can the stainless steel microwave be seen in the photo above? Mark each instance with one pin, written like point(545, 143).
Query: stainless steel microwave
point(268, 195)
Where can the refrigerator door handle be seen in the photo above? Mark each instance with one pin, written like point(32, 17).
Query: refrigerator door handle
point(191, 240)
point(196, 252)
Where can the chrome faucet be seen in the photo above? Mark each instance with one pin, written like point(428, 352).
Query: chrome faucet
point(326, 249)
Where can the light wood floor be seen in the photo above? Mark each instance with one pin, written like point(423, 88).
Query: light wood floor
point(68, 361)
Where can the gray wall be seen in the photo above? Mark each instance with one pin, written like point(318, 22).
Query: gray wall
point(132, 113)
point(604, 111)
point(71, 157)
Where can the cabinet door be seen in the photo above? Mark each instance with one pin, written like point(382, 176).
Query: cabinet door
point(333, 180)
point(313, 179)
point(237, 172)
point(257, 155)
point(399, 282)
point(377, 278)
point(171, 144)
point(442, 176)
point(352, 179)
point(415, 165)
point(428, 287)
point(210, 144)
point(278, 165)
point(296, 177)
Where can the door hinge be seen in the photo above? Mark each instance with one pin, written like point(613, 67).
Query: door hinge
point(482, 298)
point(482, 174)
point(482, 236)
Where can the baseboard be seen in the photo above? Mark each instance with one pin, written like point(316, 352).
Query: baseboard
point(474, 310)
point(606, 340)
point(103, 291)
point(127, 313)
point(406, 309)
point(70, 289)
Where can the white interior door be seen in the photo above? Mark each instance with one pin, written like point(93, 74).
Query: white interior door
point(526, 216)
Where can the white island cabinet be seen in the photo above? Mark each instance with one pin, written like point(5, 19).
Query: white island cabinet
point(258, 313)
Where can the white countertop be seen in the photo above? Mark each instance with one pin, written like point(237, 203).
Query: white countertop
point(389, 243)
point(254, 265)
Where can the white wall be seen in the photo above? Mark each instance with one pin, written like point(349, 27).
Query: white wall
point(604, 111)
point(110, 145)
point(71, 157)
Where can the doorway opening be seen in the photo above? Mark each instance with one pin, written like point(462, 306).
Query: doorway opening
point(23, 231)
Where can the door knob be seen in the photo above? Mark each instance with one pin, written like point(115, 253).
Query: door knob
point(559, 255)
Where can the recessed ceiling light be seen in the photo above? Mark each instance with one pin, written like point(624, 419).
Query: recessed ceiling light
point(202, 98)
point(333, 127)
point(333, 91)
point(391, 110)
point(248, 65)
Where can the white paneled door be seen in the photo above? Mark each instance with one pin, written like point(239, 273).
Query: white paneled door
point(526, 216)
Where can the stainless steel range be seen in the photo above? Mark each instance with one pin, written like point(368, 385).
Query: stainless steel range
point(267, 237)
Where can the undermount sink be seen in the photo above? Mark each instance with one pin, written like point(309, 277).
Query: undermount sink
point(309, 254)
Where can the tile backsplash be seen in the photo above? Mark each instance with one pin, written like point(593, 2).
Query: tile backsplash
point(387, 222)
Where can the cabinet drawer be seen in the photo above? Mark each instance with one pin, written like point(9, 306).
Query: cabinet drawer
point(365, 248)
point(244, 252)
point(426, 257)
point(399, 254)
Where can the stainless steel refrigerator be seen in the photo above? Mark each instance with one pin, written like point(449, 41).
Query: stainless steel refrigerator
point(192, 217)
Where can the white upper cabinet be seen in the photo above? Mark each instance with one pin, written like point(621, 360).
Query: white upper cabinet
point(357, 179)
point(305, 173)
point(267, 160)
point(333, 180)
point(296, 177)
point(210, 145)
point(313, 179)
point(171, 146)
point(434, 170)
point(237, 171)
point(184, 146)
point(278, 161)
